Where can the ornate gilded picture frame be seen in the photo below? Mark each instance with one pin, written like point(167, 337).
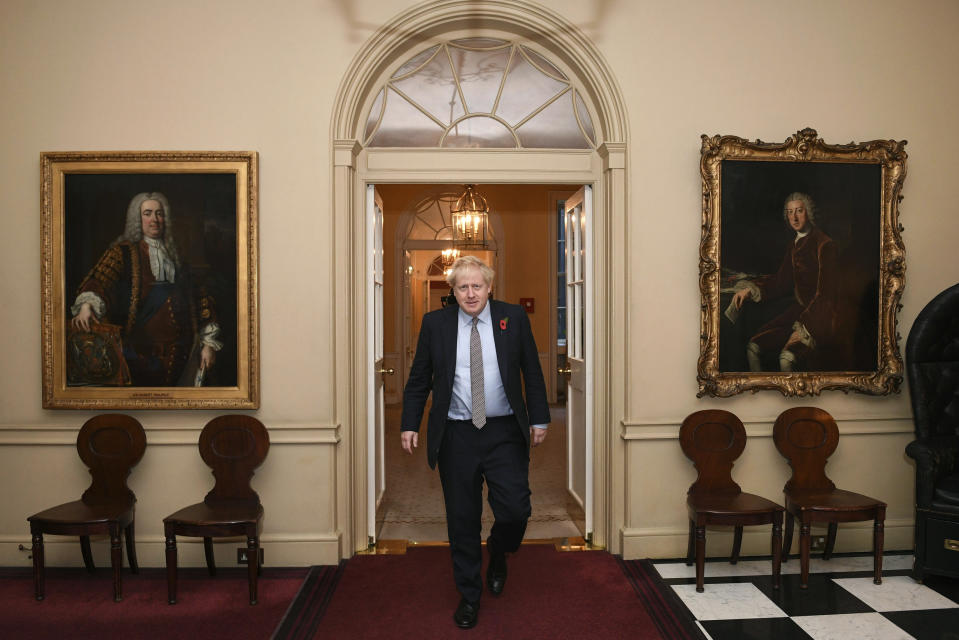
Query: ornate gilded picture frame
point(801, 265)
point(149, 280)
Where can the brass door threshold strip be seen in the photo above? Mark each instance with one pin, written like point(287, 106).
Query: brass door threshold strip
point(399, 547)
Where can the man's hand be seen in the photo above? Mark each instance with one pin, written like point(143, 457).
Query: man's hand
point(207, 357)
point(536, 436)
point(795, 338)
point(409, 440)
point(84, 317)
point(741, 296)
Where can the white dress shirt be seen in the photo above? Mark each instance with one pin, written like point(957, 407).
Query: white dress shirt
point(461, 403)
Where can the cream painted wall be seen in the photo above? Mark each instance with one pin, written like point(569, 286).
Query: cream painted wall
point(132, 74)
point(181, 75)
point(852, 70)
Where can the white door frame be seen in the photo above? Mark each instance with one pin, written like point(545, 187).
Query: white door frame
point(504, 167)
point(353, 167)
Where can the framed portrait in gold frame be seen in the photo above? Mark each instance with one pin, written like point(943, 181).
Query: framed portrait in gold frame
point(149, 280)
point(801, 265)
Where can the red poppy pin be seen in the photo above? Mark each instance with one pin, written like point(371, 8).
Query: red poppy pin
point(502, 324)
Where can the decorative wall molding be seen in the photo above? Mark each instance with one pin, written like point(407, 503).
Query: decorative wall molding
point(564, 164)
point(669, 429)
point(280, 434)
point(280, 549)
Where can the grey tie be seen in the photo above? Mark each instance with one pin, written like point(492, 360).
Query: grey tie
point(476, 377)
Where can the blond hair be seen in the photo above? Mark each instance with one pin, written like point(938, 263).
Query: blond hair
point(469, 262)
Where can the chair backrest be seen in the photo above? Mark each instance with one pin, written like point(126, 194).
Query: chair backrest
point(233, 446)
point(932, 366)
point(713, 439)
point(110, 445)
point(806, 436)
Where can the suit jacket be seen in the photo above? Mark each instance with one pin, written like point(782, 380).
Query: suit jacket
point(809, 273)
point(435, 363)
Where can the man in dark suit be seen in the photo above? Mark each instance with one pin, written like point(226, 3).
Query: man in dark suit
point(476, 358)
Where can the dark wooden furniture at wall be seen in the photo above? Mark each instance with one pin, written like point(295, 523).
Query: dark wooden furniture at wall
point(233, 446)
point(932, 366)
point(713, 439)
point(110, 445)
point(807, 436)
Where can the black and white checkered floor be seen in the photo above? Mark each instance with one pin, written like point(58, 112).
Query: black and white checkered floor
point(841, 603)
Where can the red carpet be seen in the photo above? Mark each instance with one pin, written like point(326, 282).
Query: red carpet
point(549, 595)
point(79, 605)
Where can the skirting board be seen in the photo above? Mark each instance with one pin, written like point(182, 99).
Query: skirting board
point(279, 551)
point(671, 542)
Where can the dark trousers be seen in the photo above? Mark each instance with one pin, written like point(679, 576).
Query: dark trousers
point(497, 453)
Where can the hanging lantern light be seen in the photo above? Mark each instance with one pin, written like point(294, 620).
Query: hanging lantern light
point(448, 257)
point(470, 221)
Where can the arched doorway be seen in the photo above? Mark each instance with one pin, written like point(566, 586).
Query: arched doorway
point(601, 166)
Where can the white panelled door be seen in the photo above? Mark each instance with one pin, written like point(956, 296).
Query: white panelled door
point(376, 428)
point(579, 348)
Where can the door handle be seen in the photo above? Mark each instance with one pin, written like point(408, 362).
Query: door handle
point(388, 372)
point(952, 545)
point(564, 371)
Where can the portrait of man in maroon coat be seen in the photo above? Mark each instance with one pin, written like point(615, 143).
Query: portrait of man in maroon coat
point(808, 278)
point(142, 289)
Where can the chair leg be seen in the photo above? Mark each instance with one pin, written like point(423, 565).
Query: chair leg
point(37, 552)
point(777, 548)
point(788, 539)
point(737, 544)
point(804, 540)
point(171, 566)
point(131, 549)
point(700, 556)
point(878, 538)
point(116, 560)
point(87, 554)
point(208, 552)
point(830, 541)
point(252, 565)
point(691, 545)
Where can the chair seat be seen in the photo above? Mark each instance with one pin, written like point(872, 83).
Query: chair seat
point(80, 512)
point(731, 505)
point(833, 501)
point(202, 514)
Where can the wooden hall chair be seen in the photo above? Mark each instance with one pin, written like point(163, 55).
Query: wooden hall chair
point(807, 436)
point(713, 439)
point(233, 446)
point(110, 445)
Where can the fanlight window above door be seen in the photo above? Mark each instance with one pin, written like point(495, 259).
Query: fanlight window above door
point(479, 93)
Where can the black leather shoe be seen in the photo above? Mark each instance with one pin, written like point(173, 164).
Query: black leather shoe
point(466, 614)
point(496, 572)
